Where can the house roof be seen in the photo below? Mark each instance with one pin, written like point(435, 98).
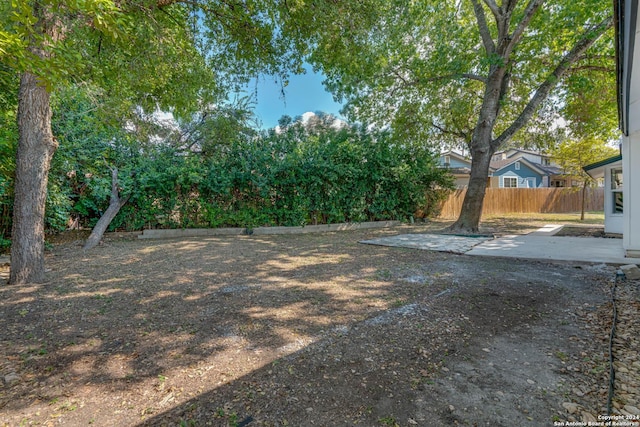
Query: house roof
point(542, 170)
point(520, 150)
point(596, 170)
point(459, 171)
point(456, 155)
point(625, 15)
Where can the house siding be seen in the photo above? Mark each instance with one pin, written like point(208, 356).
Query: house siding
point(527, 177)
point(455, 162)
point(533, 158)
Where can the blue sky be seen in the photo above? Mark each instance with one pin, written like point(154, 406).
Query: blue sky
point(303, 93)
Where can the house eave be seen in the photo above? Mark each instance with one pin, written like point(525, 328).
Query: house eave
point(625, 15)
point(596, 170)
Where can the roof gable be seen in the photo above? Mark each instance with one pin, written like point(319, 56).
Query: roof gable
point(457, 156)
point(503, 164)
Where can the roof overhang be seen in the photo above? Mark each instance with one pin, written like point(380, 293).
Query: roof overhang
point(596, 170)
point(626, 16)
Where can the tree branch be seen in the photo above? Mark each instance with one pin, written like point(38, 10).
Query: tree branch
point(469, 76)
point(487, 41)
point(592, 68)
point(491, 4)
point(410, 83)
point(459, 134)
point(561, 69)
point(529, 12)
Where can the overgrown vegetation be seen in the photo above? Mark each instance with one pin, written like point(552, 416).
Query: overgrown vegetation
point(216, 171)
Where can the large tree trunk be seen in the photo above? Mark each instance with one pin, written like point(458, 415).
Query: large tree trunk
point(115, 204)
point(469, 220)
point(484, 143)
point(482, 149)
point(36, 147)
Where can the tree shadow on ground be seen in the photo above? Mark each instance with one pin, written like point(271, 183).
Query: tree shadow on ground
point(126, 315)
point(202, 329)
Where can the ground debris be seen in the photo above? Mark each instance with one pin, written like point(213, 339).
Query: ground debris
point(262, 329)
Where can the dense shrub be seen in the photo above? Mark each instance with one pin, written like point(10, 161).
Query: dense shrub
point(302, 174)
point(289, 178)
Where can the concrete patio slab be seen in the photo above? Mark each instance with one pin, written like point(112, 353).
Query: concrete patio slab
point(547, 230)
point(539, 245)
point(532, 246)
point(434, 242)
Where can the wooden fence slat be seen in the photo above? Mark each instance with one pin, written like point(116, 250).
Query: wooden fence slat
point(527, 200)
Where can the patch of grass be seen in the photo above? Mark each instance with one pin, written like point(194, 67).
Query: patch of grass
point(384, 274)
point(231, 417)
point(514, 219)
point(389, 421)
point(62, 290)
point(562, 355)
point(397, 303)
point(102, 297)
point(68, 407)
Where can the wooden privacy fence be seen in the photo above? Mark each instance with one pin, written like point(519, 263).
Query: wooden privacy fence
point(528, 200)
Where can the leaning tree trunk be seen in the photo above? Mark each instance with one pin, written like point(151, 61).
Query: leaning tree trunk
point(115, 204)
point(482, 148)
point(36, 147)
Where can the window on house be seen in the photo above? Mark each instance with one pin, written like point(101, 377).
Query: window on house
point(616, 178)
point(617, 202)
point(509, 182)
point(517, 166)
point(447, 160)
point(616, 193)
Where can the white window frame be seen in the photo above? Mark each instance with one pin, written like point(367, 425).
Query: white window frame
point(510, 178)
point(616, 191)
point(517, 166)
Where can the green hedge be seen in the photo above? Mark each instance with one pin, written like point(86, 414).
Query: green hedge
point(295, 177)
point(291, 178)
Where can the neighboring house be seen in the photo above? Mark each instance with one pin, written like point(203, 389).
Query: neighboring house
point(516, 168)
point(522, 173)
point(532, 156)
point(628, 91)
point(513, 168)
point(611, 170)
point(458, 165)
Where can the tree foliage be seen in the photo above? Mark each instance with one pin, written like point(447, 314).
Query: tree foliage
point(215, 170)
point(573, 155)
point(304, 174)
point(170, 54)
point(473, 73)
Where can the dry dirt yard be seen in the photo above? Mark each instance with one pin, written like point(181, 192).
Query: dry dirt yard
point(302, 330)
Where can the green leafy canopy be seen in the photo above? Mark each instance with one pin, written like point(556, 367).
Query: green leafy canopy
point(421, 67)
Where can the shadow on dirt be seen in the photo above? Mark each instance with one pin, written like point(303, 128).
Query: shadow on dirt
point(304, 330)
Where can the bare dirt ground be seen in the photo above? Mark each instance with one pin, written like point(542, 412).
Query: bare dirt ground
point(303, 330)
